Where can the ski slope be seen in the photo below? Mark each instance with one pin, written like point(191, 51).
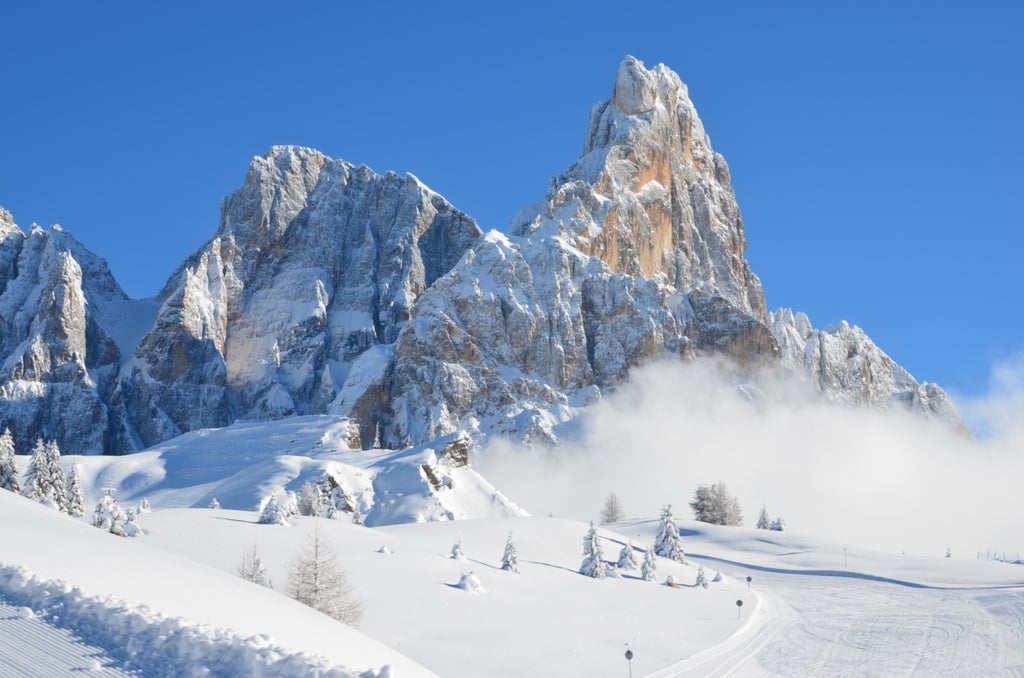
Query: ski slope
point(169, 603)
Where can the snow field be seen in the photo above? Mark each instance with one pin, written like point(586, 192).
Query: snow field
point(143, 604)
point(545, 620)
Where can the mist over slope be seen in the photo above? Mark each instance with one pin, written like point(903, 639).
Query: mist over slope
point(884, 479)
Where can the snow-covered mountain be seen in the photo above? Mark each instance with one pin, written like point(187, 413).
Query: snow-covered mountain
point(330, 289)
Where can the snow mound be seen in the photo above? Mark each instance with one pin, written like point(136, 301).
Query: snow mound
point(244, 464)
point(154, 644)
point(471, 583)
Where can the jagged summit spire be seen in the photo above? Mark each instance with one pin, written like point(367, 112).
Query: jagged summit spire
point(649, 196)
point(637, 88)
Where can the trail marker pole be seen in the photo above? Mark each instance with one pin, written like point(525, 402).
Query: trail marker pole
point(739, 608)
point(748, 582)
point(629, 660)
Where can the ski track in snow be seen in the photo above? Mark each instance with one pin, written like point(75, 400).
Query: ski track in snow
point(850, 626)
point(32, 646)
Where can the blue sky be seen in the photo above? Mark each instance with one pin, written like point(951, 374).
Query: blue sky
point(875, 150)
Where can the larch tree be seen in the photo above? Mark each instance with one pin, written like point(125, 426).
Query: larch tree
point(668, 544)
point(593, 563)
point(251, 568)
point(715, 505)
point(8, 467)
point(612, 511)
point(316, 580)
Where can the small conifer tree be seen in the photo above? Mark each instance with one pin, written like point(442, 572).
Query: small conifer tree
point(131, 528)
point(108, 514)
point(214, 504)
point(457, 553)
point(76, 497)
point(593, 565)
point(510, 560)
point(8, 467)
point(57, 480)
point(309, 499)
point(763, 521)
point(668, 544)
point(702, 579)
point(627, 557)
point(273, 513)
point(37, 483)
point(649, 568)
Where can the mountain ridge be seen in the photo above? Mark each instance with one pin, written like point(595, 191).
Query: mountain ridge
point(328, 288)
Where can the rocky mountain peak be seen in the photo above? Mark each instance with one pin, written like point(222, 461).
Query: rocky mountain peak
point(7, 224)
point(649, 196)
point(330, 289)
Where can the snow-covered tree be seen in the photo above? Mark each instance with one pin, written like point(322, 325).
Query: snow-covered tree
point(763, 521)
point(290, 504)
point(251, 568)
point(37, 486)
point(612, 511)
point(108, 514)
point(668, 544)
point(309, 500)
point(649, 568)
point(76, 497)
point(58, 481)
point(457, 553)
point(593, 565)
point(627, 557)
point(510, 560)
point(214, 504)
point(702, 579)
point(713, 504)
point(273, 513)
point(339, 504)
point(131, 528)
point(8, 468)
point(144, 506)
point(316, 580)
point(779, 525)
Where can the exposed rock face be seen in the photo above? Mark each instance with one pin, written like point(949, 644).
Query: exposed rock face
point(59, 362)
point(650, 197)
point(315, 262)
point(328, 288)
point(845, 365)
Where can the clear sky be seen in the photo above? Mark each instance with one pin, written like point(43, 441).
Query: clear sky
point(876, 150)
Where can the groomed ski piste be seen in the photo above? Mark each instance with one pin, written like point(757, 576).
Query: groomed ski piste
point(76, 600)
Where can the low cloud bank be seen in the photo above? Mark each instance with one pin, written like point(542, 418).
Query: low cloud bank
point(885, 480)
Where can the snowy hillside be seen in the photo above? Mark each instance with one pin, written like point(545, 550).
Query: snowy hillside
point(813, 607)
point(160, 613)
point(243, 464)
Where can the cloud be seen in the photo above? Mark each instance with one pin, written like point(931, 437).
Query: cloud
point(887, 480)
